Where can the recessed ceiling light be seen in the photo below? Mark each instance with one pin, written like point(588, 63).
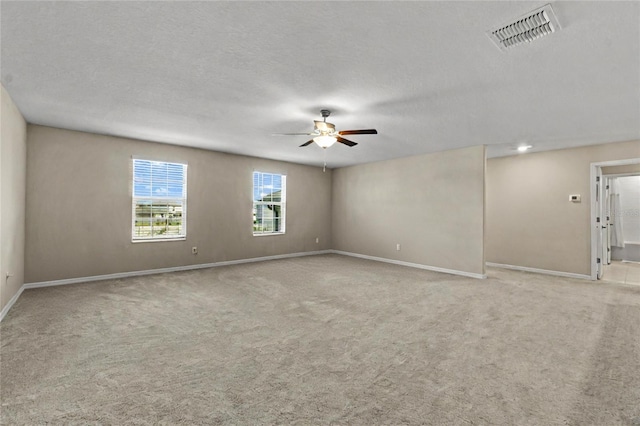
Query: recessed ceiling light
point(524, 148)
point(525, 29)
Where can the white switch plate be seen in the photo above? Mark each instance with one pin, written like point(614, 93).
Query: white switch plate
point(574, 198)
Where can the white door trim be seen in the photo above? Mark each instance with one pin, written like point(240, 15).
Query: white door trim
point(592, 188)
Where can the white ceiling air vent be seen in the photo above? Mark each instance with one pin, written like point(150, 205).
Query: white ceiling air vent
point(527, 28)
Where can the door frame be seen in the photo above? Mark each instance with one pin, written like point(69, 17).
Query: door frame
point(593, 172)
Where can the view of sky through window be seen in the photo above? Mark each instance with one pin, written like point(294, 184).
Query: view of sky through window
point(158, 179)
point(266, 184)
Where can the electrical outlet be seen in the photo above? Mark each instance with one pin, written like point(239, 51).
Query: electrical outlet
point(194, 250)
point(317, 240)
point(398, 247)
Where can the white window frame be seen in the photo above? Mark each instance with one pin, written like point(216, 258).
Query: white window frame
point(282, 203)
point(136, 198)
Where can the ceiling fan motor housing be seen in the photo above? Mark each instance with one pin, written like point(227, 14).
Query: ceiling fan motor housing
point(325, 128)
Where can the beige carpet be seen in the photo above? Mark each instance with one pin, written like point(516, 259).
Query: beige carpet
point(324, 340)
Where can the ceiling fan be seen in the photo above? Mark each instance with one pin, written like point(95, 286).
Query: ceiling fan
point(325, 134)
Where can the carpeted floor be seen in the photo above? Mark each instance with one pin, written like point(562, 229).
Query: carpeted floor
point(323, 340)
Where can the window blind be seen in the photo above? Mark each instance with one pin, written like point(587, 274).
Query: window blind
point(159, 200)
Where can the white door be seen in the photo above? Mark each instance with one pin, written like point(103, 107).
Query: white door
point(599, 228)
point(606, 199)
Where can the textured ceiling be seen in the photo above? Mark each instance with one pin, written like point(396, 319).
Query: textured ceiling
point(227, 75)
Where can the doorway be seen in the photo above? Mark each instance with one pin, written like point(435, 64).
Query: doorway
point(605, 221)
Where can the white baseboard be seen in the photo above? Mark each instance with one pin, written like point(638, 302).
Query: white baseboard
point(118, 275)
point(539, 271)
point(8, 306)
point(412, 265)
point(165, 270)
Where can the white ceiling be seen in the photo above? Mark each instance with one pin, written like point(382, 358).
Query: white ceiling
point(225, 76)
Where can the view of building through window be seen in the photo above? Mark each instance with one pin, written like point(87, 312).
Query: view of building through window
point(269, 193)
point(159, 200)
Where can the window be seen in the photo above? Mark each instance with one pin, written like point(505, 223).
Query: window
point(269, 193)
point(159, 200)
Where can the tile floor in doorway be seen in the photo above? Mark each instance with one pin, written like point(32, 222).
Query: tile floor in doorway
point(622, 272)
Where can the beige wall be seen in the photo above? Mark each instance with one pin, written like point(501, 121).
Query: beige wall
point(79, 207)
point(432, 205)
point(530, 220)
point(13, 162)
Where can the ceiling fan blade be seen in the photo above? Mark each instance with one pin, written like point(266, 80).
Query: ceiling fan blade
point(359, 132)
point(307, 143)
point(290, 134)
point(345, 141)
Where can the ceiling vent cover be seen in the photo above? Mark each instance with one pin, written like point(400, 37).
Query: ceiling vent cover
point(527, 28)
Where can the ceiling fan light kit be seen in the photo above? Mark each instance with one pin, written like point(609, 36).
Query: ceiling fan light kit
point(325, 141)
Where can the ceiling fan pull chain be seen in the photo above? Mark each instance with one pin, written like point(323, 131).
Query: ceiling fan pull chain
point(324, 167)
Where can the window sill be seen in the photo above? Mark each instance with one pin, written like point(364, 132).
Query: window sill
point(267, 234)
point(158, 240)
